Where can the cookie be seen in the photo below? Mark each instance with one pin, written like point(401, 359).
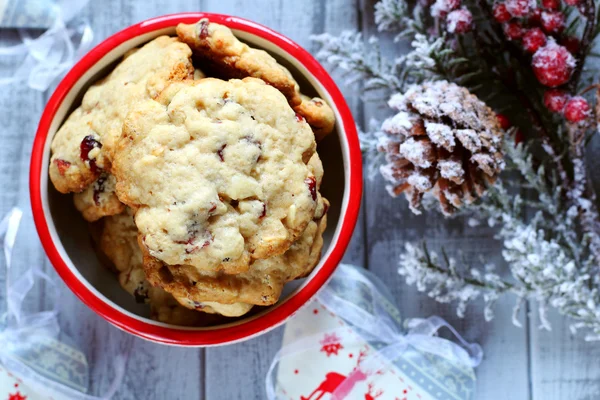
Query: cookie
point(261, 285)
point(217, 46)
point(218, 174)
point(211, 307)
point(118, 241)
point(82, 147)
point(99, 199)
point(318, 114)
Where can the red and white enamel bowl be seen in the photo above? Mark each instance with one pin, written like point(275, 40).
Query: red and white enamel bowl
point(65, 236)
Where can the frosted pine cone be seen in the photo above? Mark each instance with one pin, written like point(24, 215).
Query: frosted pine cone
point(443, 141)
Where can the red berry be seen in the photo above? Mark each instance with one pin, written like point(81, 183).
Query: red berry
point(533, 40)
point(553, 64)
point(503, 121)
point(571, 43)
point(551, 4)
point(518, 136)
point(555, 100)
point(577, 109)
point(518, 8)
point(553, 21)
point(536, 17)
point(513, 30)
point(441, 8)
point(501, 14)
point(459, 21)
point(573, 2)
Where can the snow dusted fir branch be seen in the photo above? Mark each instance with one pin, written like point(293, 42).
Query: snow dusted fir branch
point(547, 266)
point(525, 61)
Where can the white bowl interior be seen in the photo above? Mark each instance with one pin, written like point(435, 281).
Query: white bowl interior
point(71, 234)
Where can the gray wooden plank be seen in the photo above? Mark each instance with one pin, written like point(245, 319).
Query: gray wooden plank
point(390, 224)
point(563, 365)
point(254, 357)
point(19, 111)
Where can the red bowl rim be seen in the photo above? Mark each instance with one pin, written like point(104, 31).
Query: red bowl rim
point(227, 334)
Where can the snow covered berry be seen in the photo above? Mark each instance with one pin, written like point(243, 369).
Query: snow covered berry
point(553, 21)
point(555, 100)
point(577, 109)
point(513, 30)
point(501, 14)
point(571, 43)
point(553, 64)
point(533, 40)
point(551, 4)
point(441, 8)
point(573, 3)
point(519, 8)
point(459, 21)
point(535, 18)
point(503, 121)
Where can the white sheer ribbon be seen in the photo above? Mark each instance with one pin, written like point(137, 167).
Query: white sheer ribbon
point(23, 331)
point(377, 325)
point(52, 53)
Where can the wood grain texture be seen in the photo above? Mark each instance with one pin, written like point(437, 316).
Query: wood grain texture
point(519, 363)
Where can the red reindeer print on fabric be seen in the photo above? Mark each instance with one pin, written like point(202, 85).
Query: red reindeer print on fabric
point(16, 396)
point(343, 384)
point(331, 344)
point(370, 395)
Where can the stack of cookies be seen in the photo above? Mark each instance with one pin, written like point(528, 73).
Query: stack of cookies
point(205, 190)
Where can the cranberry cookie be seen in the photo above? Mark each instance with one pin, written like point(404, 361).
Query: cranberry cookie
point(218, 174)
point(118, 240)
point(262, 283)
point(82, 147)
point(217, 46)
point(99, 199)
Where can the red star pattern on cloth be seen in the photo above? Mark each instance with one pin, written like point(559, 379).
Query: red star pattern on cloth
point(330, 344)
point(16, 396)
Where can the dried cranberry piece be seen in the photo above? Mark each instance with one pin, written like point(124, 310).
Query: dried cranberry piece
point(299, 117)
point(193, 230)
point(253, 141)
point(198, 305)
point(264, 211)
point(312, 186)
point(62, 166)
point(99, 189)
point(220, 152)
point(88, 144)
point(202, 28)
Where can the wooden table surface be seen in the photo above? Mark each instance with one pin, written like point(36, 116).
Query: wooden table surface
point(519, 363)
